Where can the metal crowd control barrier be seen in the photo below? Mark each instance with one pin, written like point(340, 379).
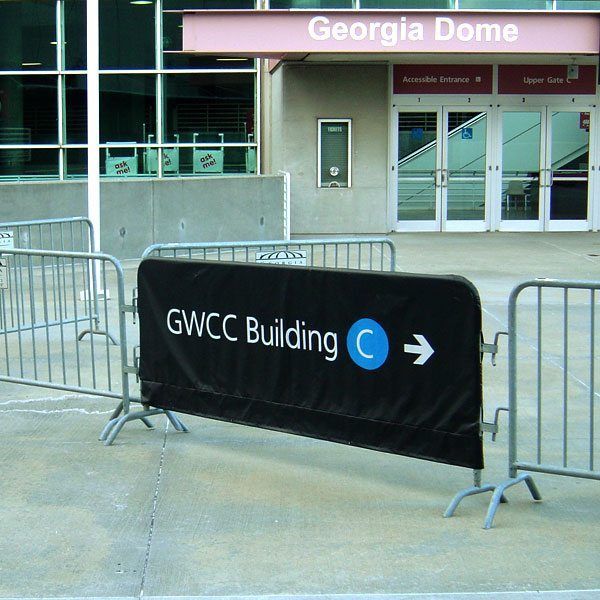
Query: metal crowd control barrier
point(74, 234)
point(553, 415)
point(371, 254)
point(45, 301)
point(44, 305)
point(374, 254)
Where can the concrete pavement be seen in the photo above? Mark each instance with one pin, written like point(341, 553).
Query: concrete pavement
point(231, 511)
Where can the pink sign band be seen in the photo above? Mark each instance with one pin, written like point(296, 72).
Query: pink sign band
point(275, 33)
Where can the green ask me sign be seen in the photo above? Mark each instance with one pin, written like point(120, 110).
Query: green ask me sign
point(208, 161)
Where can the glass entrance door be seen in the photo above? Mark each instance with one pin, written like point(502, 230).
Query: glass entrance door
point(465, 160)
point(418, 169)
point(567, 169)
point(442, 169)
point(545, 169)
point(522, 151)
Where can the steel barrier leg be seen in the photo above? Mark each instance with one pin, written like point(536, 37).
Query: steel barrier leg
point(472, 491)
point(499, 494)
point(118, 421)
point(109, 335)
point(179, 426)
point(113, 427)
point(477, 488)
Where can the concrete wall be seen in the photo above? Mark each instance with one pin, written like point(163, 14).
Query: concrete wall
point(307, 92)
point(137, 213)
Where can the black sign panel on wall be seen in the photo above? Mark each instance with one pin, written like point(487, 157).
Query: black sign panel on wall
point(384, 361)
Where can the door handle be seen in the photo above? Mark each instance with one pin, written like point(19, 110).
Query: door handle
point(444, 178)
point(437, 177)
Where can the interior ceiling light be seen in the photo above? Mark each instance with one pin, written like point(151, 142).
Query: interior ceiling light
point(232, 59)
point(31, 64)
point(140, 2)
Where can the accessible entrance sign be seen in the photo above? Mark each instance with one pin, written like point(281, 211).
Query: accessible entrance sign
point(384, 361)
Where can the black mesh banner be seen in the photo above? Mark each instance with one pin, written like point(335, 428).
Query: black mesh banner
point(385, 361)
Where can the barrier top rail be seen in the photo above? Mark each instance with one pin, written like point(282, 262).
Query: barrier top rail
point(175, 250)
point(55, 233)
point(46, 221)
point(555, 283)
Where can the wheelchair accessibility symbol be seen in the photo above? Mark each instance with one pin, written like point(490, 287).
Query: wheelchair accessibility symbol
point(467, 133)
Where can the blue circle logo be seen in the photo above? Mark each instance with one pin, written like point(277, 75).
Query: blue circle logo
point(367, 344)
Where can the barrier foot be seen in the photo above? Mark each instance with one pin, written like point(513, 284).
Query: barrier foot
point(111, 423)
point(118, 410)
point(118, 421)
point(179, 426)
point(109, 335)
point(499, 494)
point(472, 491)
point(113, 427)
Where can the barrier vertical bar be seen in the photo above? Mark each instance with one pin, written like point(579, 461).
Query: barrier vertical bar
point(32, 302)
point(45, 301)
point(62, 299)
point(539, 374)
point(592, 374)
point(76, 320)
point(512, 384)
point(565, 374)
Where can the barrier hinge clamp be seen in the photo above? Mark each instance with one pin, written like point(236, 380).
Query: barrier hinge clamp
point(135, 369)
point(493, 428)
point(492, 348)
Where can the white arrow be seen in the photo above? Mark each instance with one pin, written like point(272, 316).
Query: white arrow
point(424, 349)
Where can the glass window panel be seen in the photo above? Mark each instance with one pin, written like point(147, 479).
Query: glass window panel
point(28, 109)
point(208, 160)
point(27, 33)
point(577, 5)
point(466, 151)
point(126, 34)
point(570, 164)
point(209, 104)
point(407, 4)
point(121, 162)
point(207, 4)
point(29, 163)
point(521, 142)
point(506, 4)
point(311, 4)
point(76, 163)
point(127, 107)
point(173, 41)
point(75, 34)
point(417, 148)
point(76, 113)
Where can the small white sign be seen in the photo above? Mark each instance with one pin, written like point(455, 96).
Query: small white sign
point(3, 273)
point(282, 257)
point(7, 240)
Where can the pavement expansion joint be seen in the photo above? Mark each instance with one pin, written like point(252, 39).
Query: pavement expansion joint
point(153, 515)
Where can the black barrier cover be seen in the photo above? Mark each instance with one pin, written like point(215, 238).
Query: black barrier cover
point(384, 361)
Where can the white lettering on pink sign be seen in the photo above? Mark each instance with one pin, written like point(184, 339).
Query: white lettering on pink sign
point(389, 33)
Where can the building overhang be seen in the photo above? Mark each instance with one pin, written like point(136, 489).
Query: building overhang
point(388, 35)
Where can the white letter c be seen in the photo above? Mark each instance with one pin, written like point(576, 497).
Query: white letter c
point(358, 346)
